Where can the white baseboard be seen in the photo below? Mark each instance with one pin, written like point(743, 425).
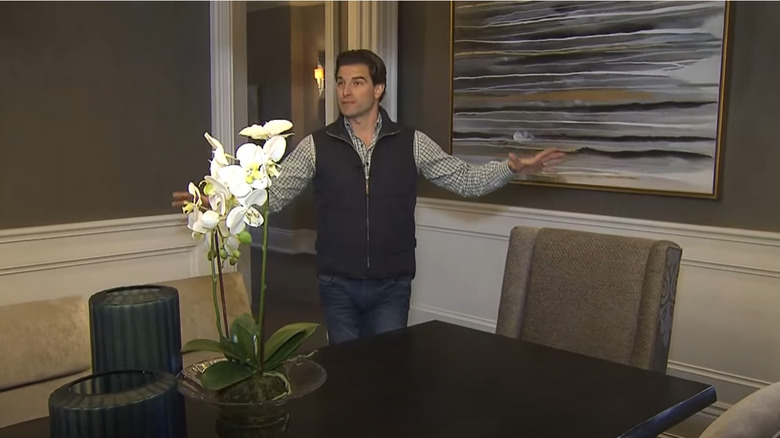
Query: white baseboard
point(83, 258)
point(419, 313)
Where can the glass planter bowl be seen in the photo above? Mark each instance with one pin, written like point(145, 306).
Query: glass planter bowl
point(254, 419)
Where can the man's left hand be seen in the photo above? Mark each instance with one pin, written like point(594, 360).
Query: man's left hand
point(534, 164)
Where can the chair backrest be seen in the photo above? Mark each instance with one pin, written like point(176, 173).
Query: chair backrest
point(755, 416)
point(601, 295)
point(196, 305)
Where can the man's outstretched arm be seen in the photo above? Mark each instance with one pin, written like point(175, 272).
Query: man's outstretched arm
point(465, 179)
point(295, 172)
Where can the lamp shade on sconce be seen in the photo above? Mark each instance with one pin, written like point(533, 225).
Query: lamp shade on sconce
point(319, 76)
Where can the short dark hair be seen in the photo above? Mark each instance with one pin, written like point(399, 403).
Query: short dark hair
point(376, 66)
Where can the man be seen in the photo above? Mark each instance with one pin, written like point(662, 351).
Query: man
point(364, 169)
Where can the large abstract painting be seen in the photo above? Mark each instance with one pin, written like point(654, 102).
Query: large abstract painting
point(631, 90)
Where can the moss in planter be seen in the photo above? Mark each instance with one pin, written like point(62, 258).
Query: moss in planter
point(257, 389)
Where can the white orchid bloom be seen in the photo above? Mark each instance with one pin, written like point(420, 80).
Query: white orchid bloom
point(188, 206)
point(251, 155)
point(193, 189)
point(201, 222)
point(268, 130)
point(274, 148)
point(260, 179)
point(257, 197)
point(276, 127)
point(209, 220)
point(252, 159)
point(246, 213)
point(235, 190)
point(194, 223)
point(241, 216)
point(218, 193)
point(256, 132)
point(235, 178)
point(219, 159)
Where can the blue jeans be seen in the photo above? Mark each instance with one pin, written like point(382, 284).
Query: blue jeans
point(356, 308)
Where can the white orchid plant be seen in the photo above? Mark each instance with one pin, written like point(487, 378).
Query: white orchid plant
point(228, 200)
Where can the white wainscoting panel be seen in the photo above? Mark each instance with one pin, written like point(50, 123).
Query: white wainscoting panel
point(725, 331)
point(80, 259)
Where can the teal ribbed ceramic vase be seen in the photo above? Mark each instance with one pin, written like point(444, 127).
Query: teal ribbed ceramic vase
point(136, 328)
point(120, 404)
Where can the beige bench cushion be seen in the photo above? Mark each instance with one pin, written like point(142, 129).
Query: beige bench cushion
point(196, 305)
point(31, 401)
point(43, 340)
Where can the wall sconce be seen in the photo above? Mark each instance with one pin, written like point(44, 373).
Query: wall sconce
point(319, 76)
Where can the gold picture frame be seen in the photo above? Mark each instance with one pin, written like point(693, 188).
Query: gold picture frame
point(666, 98)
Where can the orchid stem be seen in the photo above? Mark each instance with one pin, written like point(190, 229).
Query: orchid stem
point(214, 293)
point(218, 257)
point(261, 311)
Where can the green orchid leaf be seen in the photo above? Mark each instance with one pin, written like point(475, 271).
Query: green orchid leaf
point(243, 331)
point(223, 374)
point(285, 341)
point(204, 345)
point(225, 347)
point(245, 320)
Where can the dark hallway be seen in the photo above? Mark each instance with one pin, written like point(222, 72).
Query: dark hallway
point(291, 293)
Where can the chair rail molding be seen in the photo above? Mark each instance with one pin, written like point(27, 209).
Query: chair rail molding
point(725, 330)
point(373, 25)
point(53, 261)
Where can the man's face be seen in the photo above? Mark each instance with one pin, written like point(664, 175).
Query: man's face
point(356, 92)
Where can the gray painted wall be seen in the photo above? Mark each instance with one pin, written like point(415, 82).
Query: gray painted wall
point(103, 108)
point(751, 153)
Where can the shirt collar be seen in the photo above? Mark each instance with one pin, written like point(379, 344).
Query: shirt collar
point(377, 127)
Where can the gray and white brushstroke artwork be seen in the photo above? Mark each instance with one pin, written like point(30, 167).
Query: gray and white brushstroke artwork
point(631, 89)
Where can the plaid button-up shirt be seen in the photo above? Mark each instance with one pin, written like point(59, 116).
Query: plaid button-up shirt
point(444, 170)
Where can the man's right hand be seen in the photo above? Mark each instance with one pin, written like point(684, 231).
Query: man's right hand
point(180, 198)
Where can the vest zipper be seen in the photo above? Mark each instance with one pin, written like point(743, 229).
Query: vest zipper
point(368, 233)
point(368, 210)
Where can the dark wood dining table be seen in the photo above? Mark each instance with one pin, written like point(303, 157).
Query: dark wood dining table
point(439, 380)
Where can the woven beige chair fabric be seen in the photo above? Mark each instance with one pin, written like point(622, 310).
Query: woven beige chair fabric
point(600, 295)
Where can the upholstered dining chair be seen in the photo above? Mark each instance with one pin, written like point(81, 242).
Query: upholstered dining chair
point(600, 295)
